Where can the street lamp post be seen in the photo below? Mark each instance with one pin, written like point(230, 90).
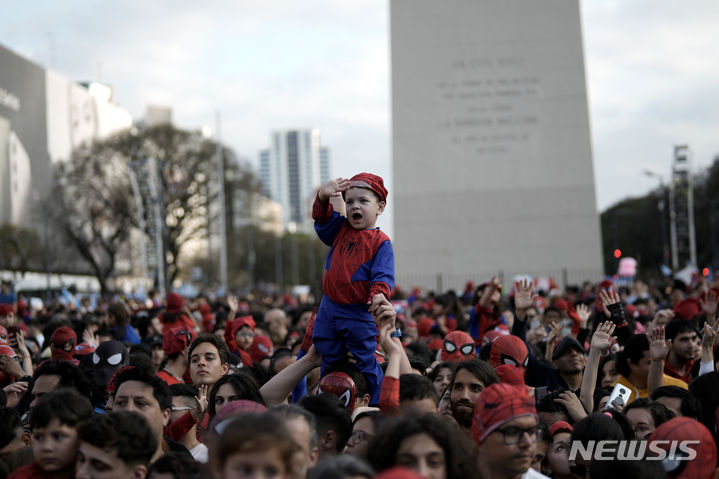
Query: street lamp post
point(661, 206)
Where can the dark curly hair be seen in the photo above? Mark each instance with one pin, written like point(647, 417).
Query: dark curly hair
point(459, 453)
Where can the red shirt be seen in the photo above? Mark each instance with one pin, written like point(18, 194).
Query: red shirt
point(168, 378)
point(670, 371)
point(31, 471)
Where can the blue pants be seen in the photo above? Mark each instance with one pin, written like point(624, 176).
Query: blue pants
point(342, 327)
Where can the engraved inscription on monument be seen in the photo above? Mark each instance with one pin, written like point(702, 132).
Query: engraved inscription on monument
point(495, 101)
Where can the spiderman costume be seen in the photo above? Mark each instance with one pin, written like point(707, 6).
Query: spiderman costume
point(360, 265)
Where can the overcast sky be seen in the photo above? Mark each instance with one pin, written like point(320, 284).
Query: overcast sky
point(652, 69)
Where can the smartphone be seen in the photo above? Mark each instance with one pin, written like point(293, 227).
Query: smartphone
point(619, 398)
point(11, 333)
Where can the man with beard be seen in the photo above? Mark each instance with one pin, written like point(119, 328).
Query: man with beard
point(468, 381)
point(684, 349)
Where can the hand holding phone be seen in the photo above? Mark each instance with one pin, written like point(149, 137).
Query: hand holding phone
point(619, 398)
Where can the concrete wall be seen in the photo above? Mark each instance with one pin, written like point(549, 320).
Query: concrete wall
point(491, 147)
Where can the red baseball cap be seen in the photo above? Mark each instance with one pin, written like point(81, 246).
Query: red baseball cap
point(371, 182)
point(261, 348)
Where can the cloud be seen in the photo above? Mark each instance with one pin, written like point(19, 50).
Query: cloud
point(652, 73)
point(652, 79)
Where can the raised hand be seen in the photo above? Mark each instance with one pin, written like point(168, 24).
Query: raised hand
point(11, 366)
point(608, 297)
point(584, 313)
point(602, 337)
point(523, 297)
point(232, 302)
point(555, 328)
point(14, 392)
point(710, 306)
point(89, 338)
point(21, 346)
point(658, 347)
point(333, 188)
point(709, 336)
point(202, 397)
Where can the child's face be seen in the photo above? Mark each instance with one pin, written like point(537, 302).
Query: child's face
point(96, 463)
point(244, 337)
point(363, 208)
point(254, 465)
point(54, 447)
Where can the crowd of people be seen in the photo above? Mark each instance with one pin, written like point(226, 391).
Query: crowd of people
point(481, 383)
point(498, 381)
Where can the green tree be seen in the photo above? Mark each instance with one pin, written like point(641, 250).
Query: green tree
point(634, 226)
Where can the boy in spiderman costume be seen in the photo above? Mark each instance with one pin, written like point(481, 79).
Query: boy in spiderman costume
point(359, 272)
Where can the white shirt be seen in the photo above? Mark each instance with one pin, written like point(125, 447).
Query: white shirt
point(199, 452)
point(532, 474)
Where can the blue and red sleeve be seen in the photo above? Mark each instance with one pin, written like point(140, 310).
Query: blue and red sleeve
point(327, 221)
point(382, 280)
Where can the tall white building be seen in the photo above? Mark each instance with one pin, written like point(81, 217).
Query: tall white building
point(43, 117)
point(291, 169)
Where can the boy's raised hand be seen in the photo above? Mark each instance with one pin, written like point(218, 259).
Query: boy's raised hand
point(333, 188)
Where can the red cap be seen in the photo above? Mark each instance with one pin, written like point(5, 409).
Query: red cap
point(398, 472)
point(232, 328)
point(561, 304)
point(176, 339)
point(688, 429)
point(436, 345)
point(424, 326)
point(208, 322)
point(174, 302)
point(498, 404)
point(687, 308)
point(6, 309)
point(261, 348)
point(491, 336)
point(233, 408)
point(243, 321)
point(560, 426)
point(371, 182)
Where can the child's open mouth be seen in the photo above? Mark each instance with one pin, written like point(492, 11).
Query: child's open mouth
point(357, 216)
